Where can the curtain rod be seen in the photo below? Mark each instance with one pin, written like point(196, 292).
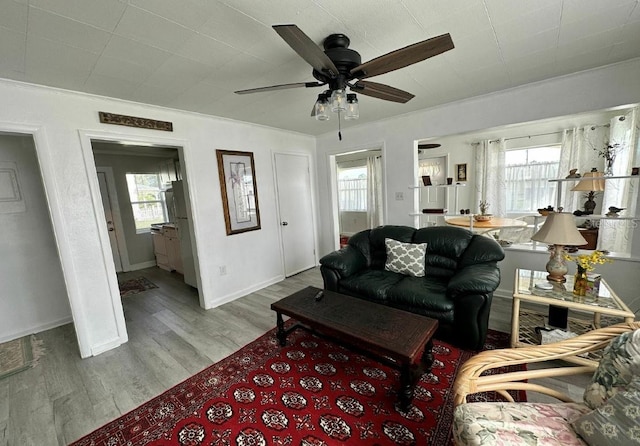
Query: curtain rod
point(593, 127)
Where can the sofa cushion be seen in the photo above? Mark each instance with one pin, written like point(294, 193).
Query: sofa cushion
point(619, 364)
point(617, 422)
point(371, 284)
point(428, 294)
point(377, 236)
point(445, 245)
point(516, 423)
point(405, 258)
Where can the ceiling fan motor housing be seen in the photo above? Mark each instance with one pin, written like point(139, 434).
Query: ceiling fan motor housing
point(336, 47)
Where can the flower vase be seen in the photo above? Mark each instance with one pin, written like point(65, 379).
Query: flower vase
point(608, 161)
point(580, 282)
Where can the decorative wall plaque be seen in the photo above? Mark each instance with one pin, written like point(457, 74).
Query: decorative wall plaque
point(133, 121)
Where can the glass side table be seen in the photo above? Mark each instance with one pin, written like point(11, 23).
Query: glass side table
point(524, 321)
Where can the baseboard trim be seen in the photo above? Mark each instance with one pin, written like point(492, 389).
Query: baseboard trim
point(142, 265)
point(233, 296)
point(504, 294)
point(36, 329)
point(106, 346)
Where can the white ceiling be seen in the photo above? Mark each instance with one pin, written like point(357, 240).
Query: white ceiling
point(192, 54)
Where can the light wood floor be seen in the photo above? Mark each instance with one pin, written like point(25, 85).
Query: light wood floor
point(170, 339)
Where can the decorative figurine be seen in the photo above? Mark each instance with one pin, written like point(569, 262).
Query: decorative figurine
point(613, 211)
point(573, 173)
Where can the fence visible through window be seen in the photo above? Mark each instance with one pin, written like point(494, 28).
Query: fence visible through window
point(353, 194)
point(147, 200)
point(527, 175)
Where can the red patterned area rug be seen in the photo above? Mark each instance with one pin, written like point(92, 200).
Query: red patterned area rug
point(310, 393)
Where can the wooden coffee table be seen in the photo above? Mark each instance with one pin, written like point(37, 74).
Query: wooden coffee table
point(395, 336)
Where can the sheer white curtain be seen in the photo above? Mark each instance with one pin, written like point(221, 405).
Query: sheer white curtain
point(374, 191)
point(490, 176)
point(578, 153)
point(616, 235)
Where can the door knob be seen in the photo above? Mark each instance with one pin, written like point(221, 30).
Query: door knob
point(110, 229)
point(284, 223)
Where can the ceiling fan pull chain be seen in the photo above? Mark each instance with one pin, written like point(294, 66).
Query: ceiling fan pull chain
point(339, 128)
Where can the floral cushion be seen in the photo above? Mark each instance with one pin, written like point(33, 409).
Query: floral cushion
point(508, 424)
point(617, 422)
point(619, 364)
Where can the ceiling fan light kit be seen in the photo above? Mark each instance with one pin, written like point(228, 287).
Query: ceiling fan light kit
point(338, 66)
point(353, 109)
point(321, 109)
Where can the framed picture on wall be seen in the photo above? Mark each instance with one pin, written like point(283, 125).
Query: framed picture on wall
point(239, 192)
point(461, 172)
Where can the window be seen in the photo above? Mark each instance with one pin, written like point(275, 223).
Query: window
point(352, 189)
point(147, 200)
point(527, 172)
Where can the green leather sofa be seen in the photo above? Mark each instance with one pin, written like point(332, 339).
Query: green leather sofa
point(461, 274)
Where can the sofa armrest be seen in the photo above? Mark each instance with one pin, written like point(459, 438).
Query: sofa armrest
point(481, 278)
point(344, 262)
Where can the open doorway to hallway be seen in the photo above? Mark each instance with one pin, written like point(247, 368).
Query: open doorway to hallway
point(146, 206)
point(34, 293)
point(359, 192)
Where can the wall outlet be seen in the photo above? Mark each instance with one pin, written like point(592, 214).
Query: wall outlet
point(223, 270)
point(399, 196)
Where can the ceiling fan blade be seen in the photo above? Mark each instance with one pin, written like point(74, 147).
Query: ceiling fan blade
point(404, 57)
point(306, 48)
point(428, 146)
point(280, 87)
point(382, 91)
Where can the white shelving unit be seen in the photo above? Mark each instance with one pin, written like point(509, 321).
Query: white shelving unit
point(445, 187)
point(592, 216)
point(559, 181)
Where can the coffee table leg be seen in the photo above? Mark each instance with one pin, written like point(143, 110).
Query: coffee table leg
point(427, 357)
point(407, 383)
point(281, 334)
point(410, 374)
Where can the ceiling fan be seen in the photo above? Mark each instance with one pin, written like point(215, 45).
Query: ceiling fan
point(339, 67)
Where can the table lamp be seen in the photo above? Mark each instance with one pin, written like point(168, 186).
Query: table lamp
point(590, 183)
point(559, 230)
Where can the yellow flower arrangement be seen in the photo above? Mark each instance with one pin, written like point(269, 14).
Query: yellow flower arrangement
point(588, 261)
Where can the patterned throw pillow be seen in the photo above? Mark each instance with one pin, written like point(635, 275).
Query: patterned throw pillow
point(405, 258)
point(619, 364)
point(617, 422)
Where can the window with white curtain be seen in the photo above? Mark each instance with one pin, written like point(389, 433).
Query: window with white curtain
point(527, 175)
point(147, 200)
point(352, 188)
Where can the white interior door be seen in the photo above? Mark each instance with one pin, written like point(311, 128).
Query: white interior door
point(109, 216)
point(293, 181)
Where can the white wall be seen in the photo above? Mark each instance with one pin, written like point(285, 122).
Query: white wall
point(33, 297)
point(597, 89)
point(63, 124)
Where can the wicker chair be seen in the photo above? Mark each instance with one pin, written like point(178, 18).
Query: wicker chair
point(490, 423)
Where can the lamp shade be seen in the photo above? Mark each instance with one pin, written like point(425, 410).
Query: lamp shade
point(559, 229)
point(590, 182)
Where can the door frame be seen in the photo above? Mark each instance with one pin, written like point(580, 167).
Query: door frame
point(44, 155)
point(183, 146)
point(115, 215)
point(312, 181)
point(332, 183)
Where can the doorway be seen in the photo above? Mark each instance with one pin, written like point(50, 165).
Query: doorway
point(34, 296)
point(358, 180)
point(141, 186)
